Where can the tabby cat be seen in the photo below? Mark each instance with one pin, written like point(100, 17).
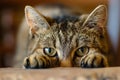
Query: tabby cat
point(62, 38)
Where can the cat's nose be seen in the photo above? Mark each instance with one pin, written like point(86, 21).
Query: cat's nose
point(65, 63)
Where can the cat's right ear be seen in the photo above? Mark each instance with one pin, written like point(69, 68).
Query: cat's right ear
point(36, 21)
point(97, 17)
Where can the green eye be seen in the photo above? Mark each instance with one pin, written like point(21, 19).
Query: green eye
point(82, 51)
point(49, 51)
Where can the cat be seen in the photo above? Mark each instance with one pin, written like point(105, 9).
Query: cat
point(57, 37)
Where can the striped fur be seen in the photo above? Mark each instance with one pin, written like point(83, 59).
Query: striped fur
point(65, 34)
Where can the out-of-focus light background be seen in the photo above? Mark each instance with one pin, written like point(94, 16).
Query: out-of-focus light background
point(12, 12)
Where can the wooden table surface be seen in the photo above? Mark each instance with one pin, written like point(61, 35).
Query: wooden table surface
point(112, 73)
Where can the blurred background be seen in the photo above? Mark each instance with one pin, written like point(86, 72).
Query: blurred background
point(12, 12)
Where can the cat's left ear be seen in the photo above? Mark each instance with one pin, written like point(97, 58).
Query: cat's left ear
point(97, 17)
point(36, 21)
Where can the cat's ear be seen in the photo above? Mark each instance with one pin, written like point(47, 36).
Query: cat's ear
point(35, 20)
point(97, 17)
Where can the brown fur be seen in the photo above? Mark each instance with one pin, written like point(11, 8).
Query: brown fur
point(65, 35)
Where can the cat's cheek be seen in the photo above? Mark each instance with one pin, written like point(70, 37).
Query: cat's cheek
point(76, 62)
point(93, 61)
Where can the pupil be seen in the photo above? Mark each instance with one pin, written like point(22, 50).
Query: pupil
point(82, 49)
point(49, 50)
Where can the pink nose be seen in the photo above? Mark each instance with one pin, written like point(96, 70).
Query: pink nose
point(65, 63)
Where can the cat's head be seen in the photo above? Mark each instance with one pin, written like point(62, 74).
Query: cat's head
point(64, 43)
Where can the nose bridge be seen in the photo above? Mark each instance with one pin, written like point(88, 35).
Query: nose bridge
point(64, 53)
point(66, 59)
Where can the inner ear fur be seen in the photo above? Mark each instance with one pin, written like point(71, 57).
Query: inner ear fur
point(35, 20)
point(98, 16)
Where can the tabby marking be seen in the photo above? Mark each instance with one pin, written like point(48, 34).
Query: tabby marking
point(67, 40)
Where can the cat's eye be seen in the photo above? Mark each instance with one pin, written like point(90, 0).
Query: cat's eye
point(82, 51)
point(49, 51)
